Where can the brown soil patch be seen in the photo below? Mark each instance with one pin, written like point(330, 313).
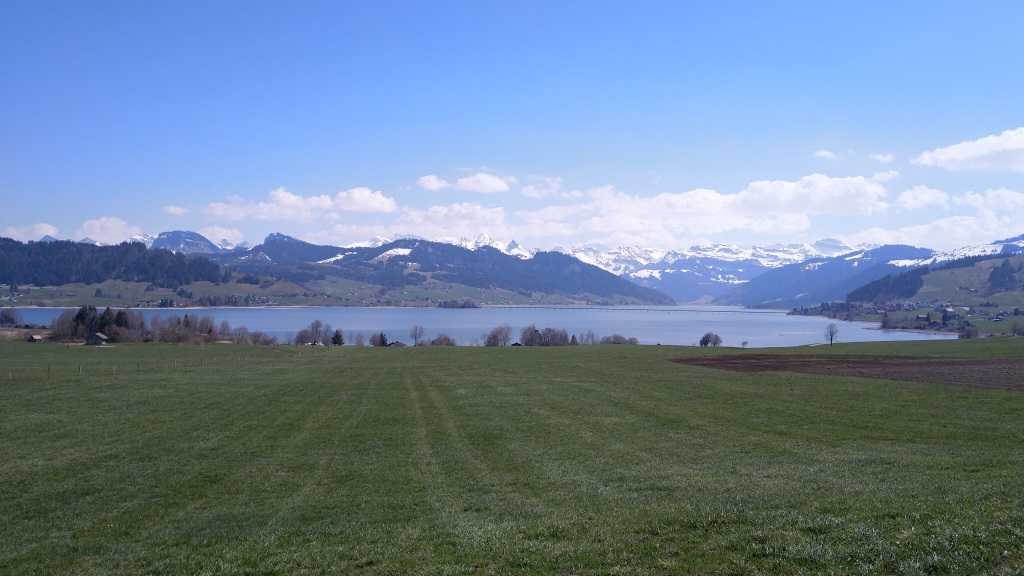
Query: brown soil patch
point(1001, 373)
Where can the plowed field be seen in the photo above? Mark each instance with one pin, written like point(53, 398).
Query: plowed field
point(1002, 373)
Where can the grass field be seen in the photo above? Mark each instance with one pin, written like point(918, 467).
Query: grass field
point(158, 459)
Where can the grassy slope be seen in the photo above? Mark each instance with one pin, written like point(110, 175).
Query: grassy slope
point(589, 460)
point(330, 291)
point(949, 286)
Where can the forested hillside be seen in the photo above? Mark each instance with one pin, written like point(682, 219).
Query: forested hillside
point(64, 262)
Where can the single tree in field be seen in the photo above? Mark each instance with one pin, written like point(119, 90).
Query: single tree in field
point(831, 331)
point(337, 339)
point(416, 334)
point(710, 339)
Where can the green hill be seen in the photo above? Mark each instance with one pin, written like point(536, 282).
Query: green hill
point(992, 283)
point(971, 286)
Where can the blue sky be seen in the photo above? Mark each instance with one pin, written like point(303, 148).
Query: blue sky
point(660, 124)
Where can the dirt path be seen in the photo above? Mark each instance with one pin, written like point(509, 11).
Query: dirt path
point(1001, 373)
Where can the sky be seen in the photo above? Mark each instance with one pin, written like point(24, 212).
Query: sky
point(553, 123)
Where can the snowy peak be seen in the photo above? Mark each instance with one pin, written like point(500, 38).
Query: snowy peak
point(226, 245)
point(619, 260)
point(146, 239)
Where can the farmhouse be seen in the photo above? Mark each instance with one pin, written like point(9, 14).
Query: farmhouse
point(34, 338)
point(97, 339)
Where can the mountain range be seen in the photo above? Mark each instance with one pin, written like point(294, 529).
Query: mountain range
point(775, 275)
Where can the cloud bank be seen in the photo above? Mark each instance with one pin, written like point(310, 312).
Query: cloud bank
point(283, 205)
point(1000, 153)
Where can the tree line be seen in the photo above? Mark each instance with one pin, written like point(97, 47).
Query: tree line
point(532, 336)
point(130, 326)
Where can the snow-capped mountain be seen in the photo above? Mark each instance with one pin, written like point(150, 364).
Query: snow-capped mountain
point(227, 246)
point(146, 239)
point(820, 279)
point(701, 272)
point(1009, 245)
point(511, 247)
point(187, 242)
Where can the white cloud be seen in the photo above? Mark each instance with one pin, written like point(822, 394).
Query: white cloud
point(826, 154)
point(107, 230)
point(883, 158)
point(33, 232)
point(432, 182)
point(283, 205)
point(542, 186)
point(175, 210)
point(364, 200)
point(482, 182)
point(998, 200)
point(462, 219)
point(455, 217)
point(922, 197)
point(768, 207)
point(886, 176)
point(999, 214)
point(814, 194)
point(216, 233)
point(1003, 152)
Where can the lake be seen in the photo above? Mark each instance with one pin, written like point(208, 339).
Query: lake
point(681, 325)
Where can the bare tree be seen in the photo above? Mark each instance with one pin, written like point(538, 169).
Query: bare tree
point(304, 337)
point(831, 331)
point(554, 337)
point(416, 334)
point(500, 336)
point(530, 336)
point(443, 340)
point(9, 317)
point(317, 332)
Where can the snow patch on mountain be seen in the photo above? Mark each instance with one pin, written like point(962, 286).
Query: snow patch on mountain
point(337, 258)
point(390, 254)
point(940, 257)
point(146, 239)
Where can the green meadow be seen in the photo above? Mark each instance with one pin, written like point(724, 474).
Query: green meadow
point(225, 459)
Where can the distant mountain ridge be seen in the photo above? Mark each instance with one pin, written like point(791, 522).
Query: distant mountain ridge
point(775, 275)
point(416, 262)
point(821, 279)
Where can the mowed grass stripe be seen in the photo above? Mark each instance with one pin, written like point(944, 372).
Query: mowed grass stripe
point(582, 460)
